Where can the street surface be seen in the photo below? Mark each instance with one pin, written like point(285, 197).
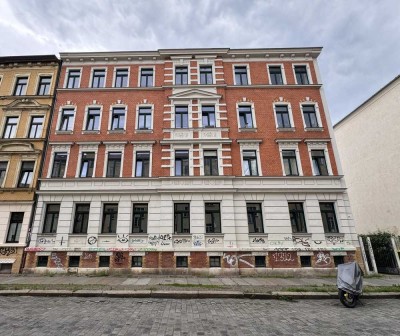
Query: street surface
point(36, 316)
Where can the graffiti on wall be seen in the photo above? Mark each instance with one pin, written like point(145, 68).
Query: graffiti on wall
point(323, 258)
point(233, 260)
point(283, 257)
point(6, 251)
point(119, 258)
point(198, 240)
point(92, 240)
point(334, 240)
point(56, 260)
point(123, 239)
point(303, 241)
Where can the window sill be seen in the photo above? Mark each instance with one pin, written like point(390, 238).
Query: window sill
point(286, 129)
point(91, 132)
point(248, 129)
point(143, 131)
point(314, 129)
point(214, 234)
point(122, 131)
point(64, 132)
point(258, 234)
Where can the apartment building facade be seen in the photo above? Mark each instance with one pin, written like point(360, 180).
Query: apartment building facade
point(27, 85)
point(191, 160)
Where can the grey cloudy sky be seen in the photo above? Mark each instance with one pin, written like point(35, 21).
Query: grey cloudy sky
point(361, 38)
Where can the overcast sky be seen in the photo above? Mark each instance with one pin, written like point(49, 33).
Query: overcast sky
point(361, 38)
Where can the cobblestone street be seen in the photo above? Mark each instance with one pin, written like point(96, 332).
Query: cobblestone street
point(103, 316)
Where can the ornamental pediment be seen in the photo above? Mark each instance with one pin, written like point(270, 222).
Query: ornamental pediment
point(194, 94)
point(17, 147)
point(25, 103)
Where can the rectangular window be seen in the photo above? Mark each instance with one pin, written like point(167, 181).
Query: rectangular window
point(215, 261)
point(93, 119)
point(121, 78)
point(210, 163)
point(137, 261)
point(144, 118)
point(67, 120)
point(182, 218)
point(36, 127)
point(250, 163)
point(51, 218)
point(44, 85)
point(87, 164)
point(213, 217)
point(181, 75)
point(142, 168)
point(10, 128)
point(14, 229)
point(3, 171)
point(329, 217)
point(241, 75)
point(206, 75)
point(74, 261)
point(81, 218)
point(290, 162)
point(98, 78)
point(245, 117)
point(146, 77)
point(181, 117)
point(110, 216)
point(254, 218)
point(301, 74)
point(114, 164)
point(20, 86)
point(305, 261)
point(282, 116)
point(260, 261)
point(139, 220)
point(118, 118)
point(310, 116)
point(26, 174)
point(181, 261)
point(181, 163)
point(104, 261)
point(275, 73)
point(208, 116)
point(319, 163)
point(59, 164)
point(42, 261)
point(73, 79)
point(297, 218)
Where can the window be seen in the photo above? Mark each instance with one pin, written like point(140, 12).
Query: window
point(118, 118)
point(104, 261)
point(51, 218)
point(338, 260)
point(250, 163)
point(206, 75)
point(146, 77)
point(310, 116)
point(67, 120)
point(241, 75)
point(10, 128)
point(210, 163)
point(297, 218)
point(142, 168)
point(215, 261)
point(213, 218)
point(114, 164)
point(290, 162)
point(260, 261)
point(110, 216)
point(81, 218)
point(14, 229)
point(182, 261)
point(305, 261)
point(282, 116)
point(3, 171)
point(181, 163)
point(245, 117)
point(329, 217)
point(254, 218)
point(59, 164)
point(181, 75)
point(44, 85)
point(144, 118)
point(26, 174)
point(137, 261)
point(208, 116)
point(74, 261)
point(98, 78)
point(301, 74)
point(275, 74)
point(139, 221)
point(73, 79)
point(93, 119)
point(42, 261)
point(121, 78)
point(181, 117)
point(36, 128)
point(20, 86)
point(319, 163)
point(87, 164)
point(182, 218)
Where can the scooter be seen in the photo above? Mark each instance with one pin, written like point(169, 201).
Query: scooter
point(349, 283)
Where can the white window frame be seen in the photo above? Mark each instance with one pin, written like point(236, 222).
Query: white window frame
point(91, 77)
point(7, 159)
point(317, 112)
point(1, 79)
point(115, 76)
point(87, 107)
point(19, 166)
point(38, 82)
point(84, 148)
point(117, 147)
point(307, 65)
point(67, 75)
point(218, 149)
point(31, 116)
point(216, 109)
point(142, 148)
point(154, 75)
point(174, 148)
point(110, 116)
point(16, 76)
point(56, 148)
point(289, 106)
point(318, 145)
point(184, 64)
point(253, 147)
point(187, 103)
point(65, 107)
point(199, 64)
point(253, 114)
point(247, 65)
point(5, 116)
point(282, 66)
point(290, 146)
point(137, 117)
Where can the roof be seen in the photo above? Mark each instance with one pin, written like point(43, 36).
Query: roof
point(28, 59)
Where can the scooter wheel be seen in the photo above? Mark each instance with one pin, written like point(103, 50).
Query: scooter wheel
point(347, 299)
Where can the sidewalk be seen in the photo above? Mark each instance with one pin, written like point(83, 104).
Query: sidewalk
point(189, 286)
